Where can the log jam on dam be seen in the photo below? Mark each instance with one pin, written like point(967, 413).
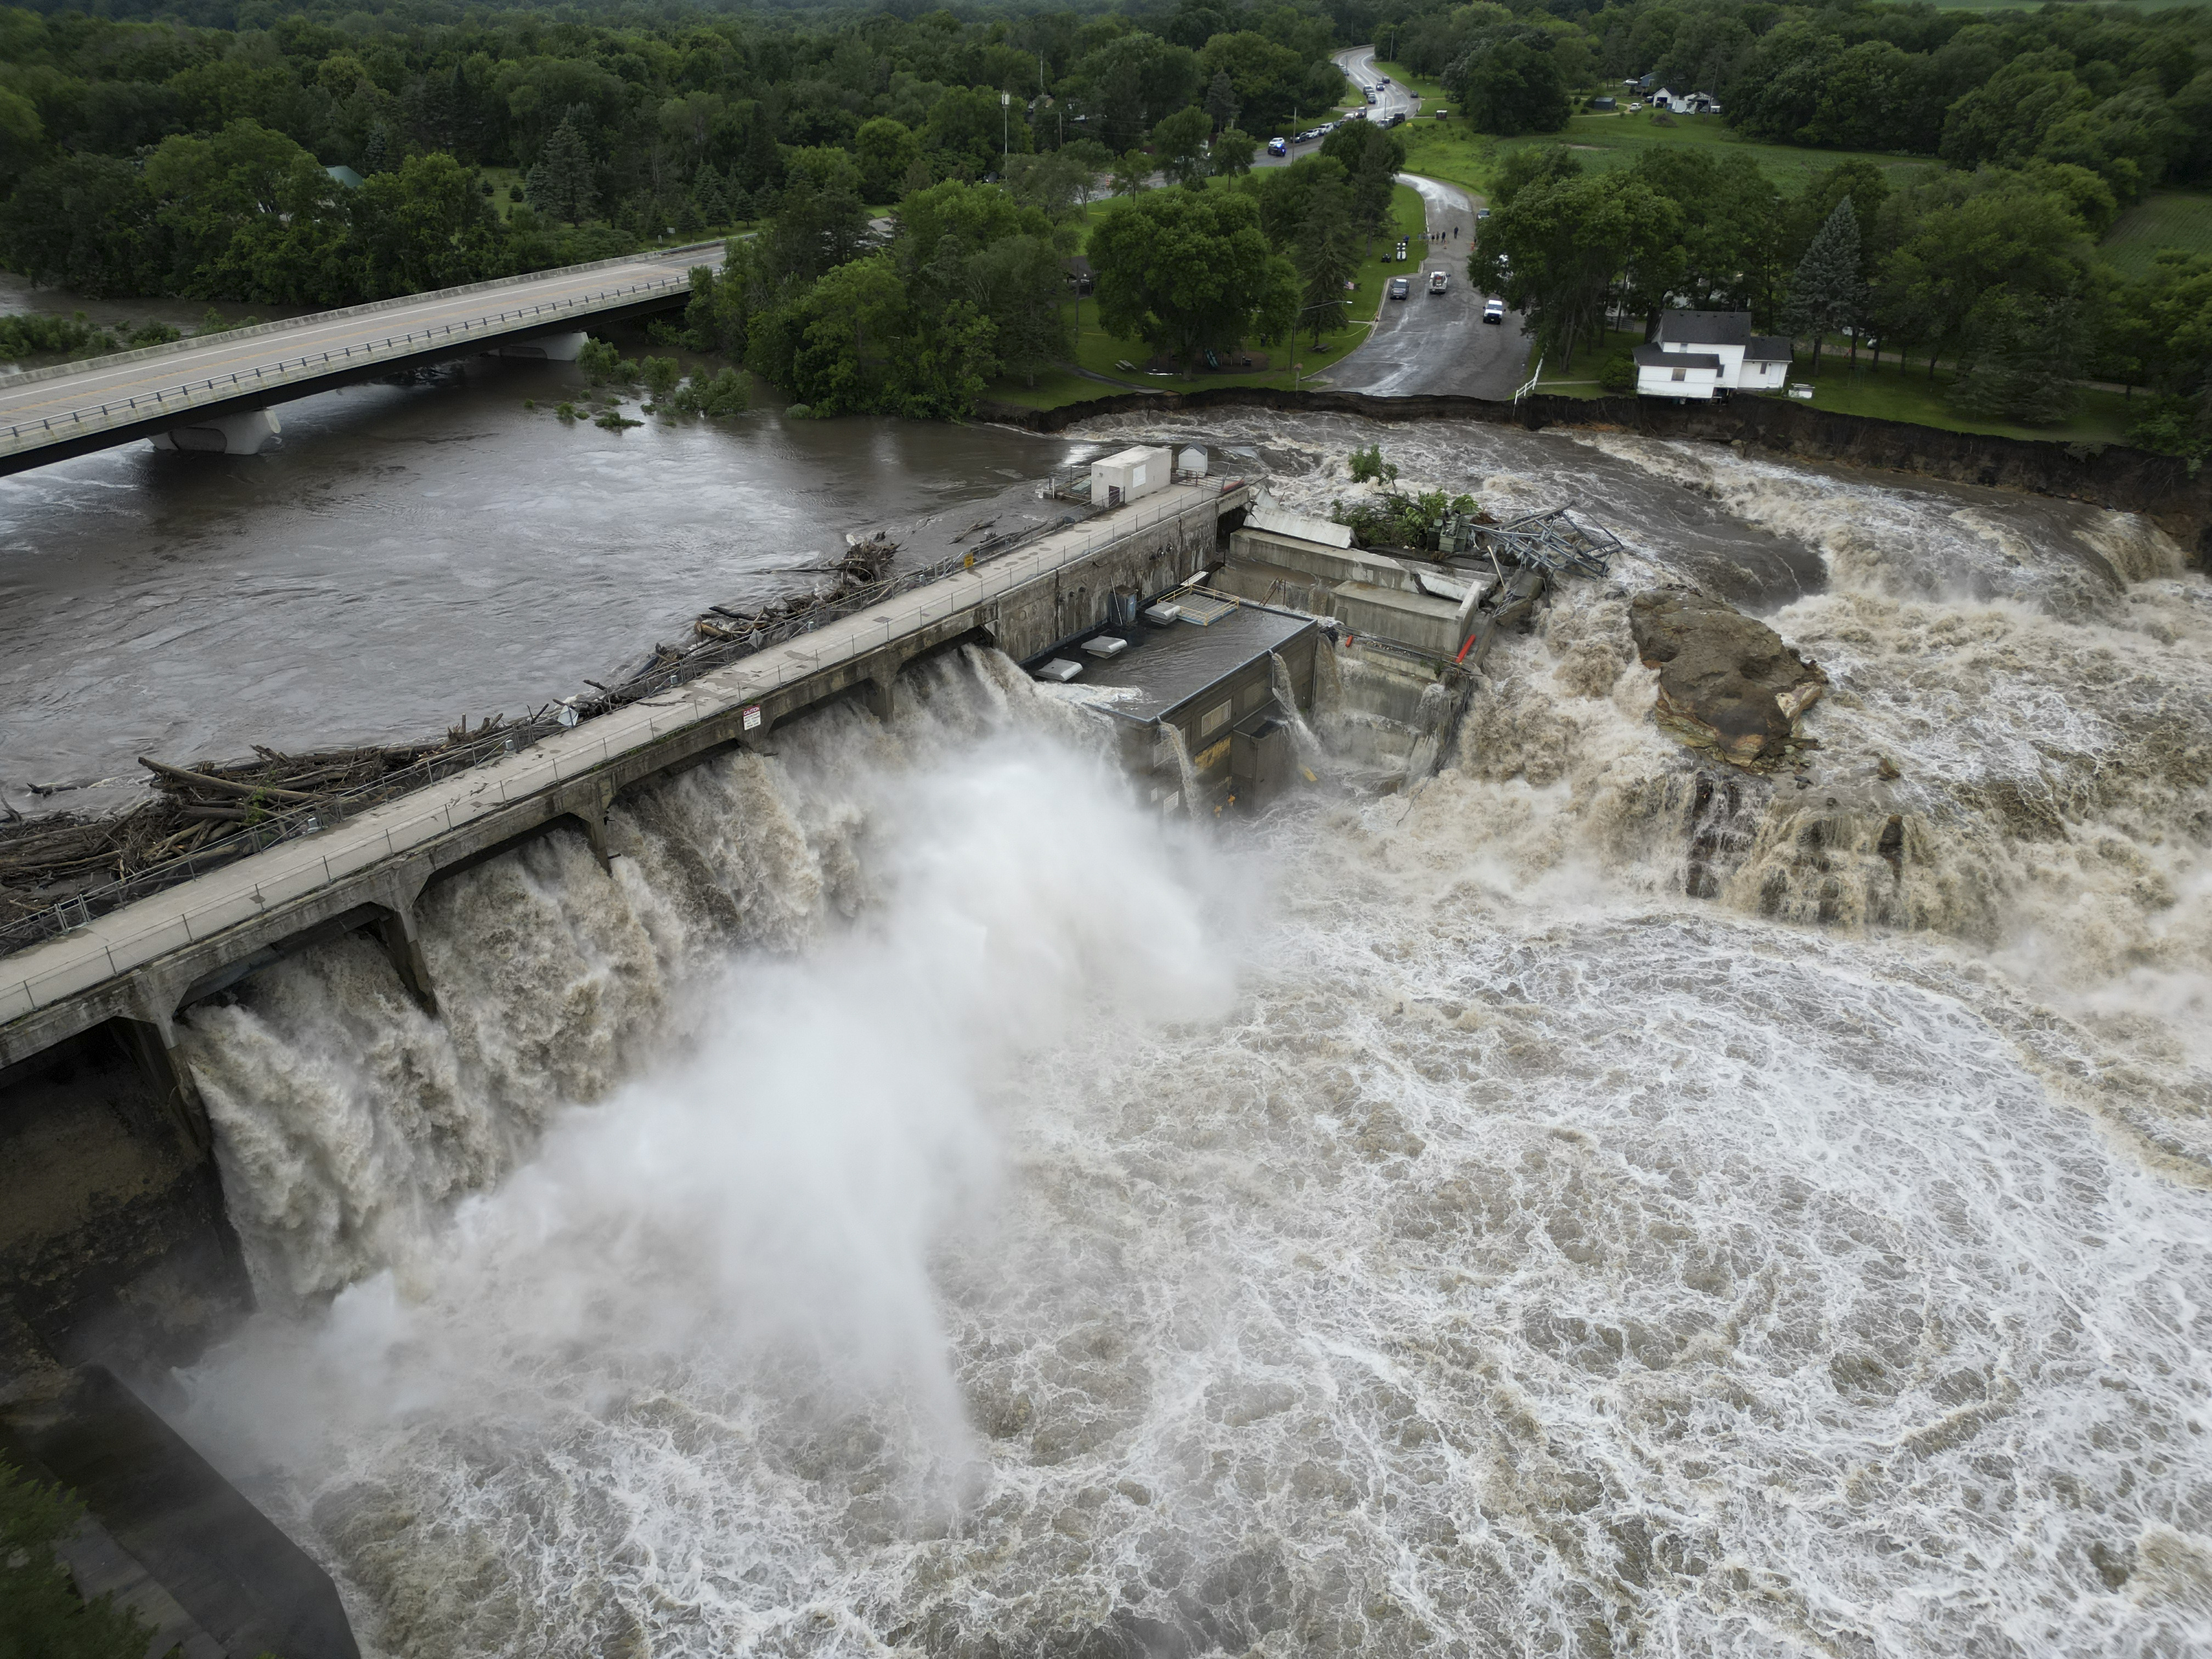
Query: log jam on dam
point(1686, 1130)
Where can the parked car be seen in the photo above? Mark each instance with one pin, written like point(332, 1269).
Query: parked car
point(1481, 213)
point(1400, 288)
point(1494, 312)
point(1279, 147)
point(1440, 113)
point(1439, 280)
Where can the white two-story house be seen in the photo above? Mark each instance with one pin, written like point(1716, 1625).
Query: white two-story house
point(1703, 354)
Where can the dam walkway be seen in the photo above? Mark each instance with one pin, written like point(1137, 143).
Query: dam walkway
point(141, 962)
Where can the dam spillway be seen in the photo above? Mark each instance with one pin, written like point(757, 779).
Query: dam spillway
point(917, 1196)
point(130, 971)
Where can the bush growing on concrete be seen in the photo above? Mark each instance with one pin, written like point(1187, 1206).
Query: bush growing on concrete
point(1368, 466)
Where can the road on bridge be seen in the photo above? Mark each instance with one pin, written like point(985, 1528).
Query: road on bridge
point(128, 399)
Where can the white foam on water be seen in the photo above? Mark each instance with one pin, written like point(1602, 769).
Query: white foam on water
point(923, 1202)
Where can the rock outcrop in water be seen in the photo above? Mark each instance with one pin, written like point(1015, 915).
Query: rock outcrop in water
point(1727, 683)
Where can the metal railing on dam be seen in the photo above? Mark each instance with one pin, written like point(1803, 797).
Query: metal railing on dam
point(1028, 600)
point(72, 408)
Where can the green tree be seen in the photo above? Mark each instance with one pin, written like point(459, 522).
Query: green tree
point(1133, 173)
point(885, 150)
point(1222, 103)
point(1565, 249)
point(2005, 235)
point(1513, 88)
point(819, 220)
point(41, 1615)
point(1018, 285)
point(563, 182)
point(2022, 355)
point(1532, 164)
point(1182, 269)
point(661, 375)
point(1826, 294)
point(1180, 144)
point(1233, 151)
point(425, 226)
point(1328, 256)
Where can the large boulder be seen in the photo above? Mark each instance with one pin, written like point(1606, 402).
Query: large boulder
point(1727, 683)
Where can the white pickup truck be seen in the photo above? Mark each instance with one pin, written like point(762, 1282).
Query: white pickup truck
point(1439, 280)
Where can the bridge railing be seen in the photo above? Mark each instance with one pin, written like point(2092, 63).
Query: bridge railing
point(183, 398)
point(938, 598)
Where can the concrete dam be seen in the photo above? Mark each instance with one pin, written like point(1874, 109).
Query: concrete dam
point(1632, 1149)
point(124, 1246)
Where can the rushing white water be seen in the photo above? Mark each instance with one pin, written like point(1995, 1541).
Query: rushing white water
point(922, 1202)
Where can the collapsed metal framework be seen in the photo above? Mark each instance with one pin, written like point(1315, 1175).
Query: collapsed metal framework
point(1556, 543)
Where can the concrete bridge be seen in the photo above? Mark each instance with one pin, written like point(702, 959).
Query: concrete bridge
point(215, 393)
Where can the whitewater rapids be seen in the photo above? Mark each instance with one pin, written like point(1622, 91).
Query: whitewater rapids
point(920, 1202)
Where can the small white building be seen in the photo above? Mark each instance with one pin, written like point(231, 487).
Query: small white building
point(1120, 479)
point(1703, 354)
point(1685, 103)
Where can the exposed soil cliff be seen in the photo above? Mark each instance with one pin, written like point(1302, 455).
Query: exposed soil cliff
point(2112, 475)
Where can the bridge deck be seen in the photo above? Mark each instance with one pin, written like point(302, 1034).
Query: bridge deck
point(127, 939)
point(48, 414)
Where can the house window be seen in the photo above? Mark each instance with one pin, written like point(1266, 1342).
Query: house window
point(1680, 374)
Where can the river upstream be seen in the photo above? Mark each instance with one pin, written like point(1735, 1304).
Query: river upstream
point(920, 1202)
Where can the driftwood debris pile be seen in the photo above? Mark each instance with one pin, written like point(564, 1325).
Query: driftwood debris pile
point(193, 819)
point(46, 860)
point(865, 563)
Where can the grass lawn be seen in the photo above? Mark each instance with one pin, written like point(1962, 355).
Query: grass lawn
point(1889, 393)
point(2163, 219)
point(1895, 392)
point(1453, 151)
point(1102, 353)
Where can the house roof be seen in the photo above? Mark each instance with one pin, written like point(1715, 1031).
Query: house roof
point(1652, 356)
point(345, 176)
point(1706, 328)
point(1768, 349)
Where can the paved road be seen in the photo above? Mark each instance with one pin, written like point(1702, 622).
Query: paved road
point(1438, 342)
point(357, 333)
point(1357, 64)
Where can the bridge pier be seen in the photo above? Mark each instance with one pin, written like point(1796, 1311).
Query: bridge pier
point(222, 435)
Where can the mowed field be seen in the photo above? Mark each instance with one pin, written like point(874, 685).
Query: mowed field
point(2163, 219)
point(1448, 150)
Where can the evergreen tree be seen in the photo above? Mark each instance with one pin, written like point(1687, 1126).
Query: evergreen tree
point(376, 153)
point(1372, 183)
point(1826, 293)
point(2022, 354)
point(1221, 102)
point(1327, 255)
point(709, 197)
point(561, 183)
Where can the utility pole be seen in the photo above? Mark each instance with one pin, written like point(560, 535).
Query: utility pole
point(1005, 128)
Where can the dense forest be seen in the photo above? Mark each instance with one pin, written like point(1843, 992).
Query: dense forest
point(908, 186)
